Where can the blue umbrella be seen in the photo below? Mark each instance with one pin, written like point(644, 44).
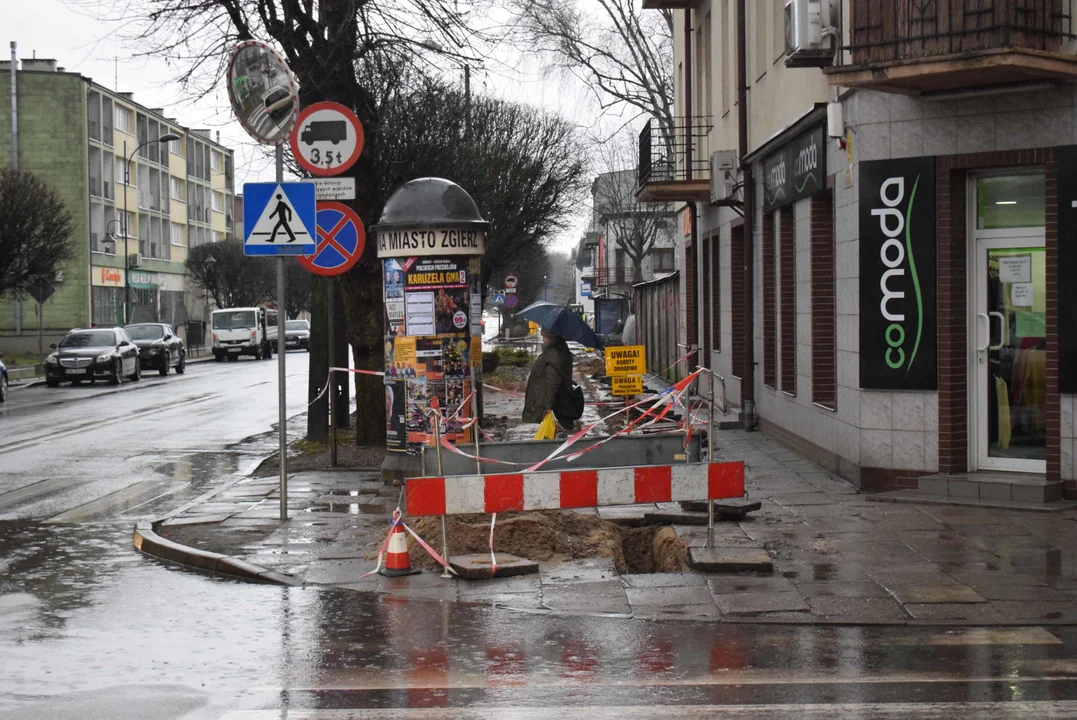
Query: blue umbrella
point(563, 321)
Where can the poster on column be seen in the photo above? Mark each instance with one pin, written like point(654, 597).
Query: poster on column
point(396, 437)
point(393, 285)
point(898, 305)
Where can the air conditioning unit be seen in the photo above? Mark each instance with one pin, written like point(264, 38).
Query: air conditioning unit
point(810, 34)
point(723, 167)
point(59, 277)
point(134, 260)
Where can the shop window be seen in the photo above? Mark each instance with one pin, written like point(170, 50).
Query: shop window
point(770, 307)
point(787, 260)
point(107, 306)
point(1010, 201)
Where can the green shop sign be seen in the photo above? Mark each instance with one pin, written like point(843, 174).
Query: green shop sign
point(796, 170)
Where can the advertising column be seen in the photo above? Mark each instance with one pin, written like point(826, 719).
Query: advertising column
point(433, 314)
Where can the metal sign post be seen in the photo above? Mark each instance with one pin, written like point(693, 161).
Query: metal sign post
point(282, 353)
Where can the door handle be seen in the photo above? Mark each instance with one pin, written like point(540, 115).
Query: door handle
point(987, 328)
point(1003, 331)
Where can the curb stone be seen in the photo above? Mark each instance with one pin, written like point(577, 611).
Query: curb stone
point(148, 542)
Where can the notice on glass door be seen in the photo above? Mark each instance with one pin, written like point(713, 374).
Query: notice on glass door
point(1015, 269)
point(1021, 294)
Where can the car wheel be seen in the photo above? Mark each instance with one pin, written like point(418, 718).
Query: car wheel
point(182, 364)
point(117, 372)
point(219, 358)
point(3, 388)
point(268, 354)
point(52, 382)
point(166, 362)
point(137, 374)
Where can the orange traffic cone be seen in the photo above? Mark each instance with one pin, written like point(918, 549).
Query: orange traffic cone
point(397, 561)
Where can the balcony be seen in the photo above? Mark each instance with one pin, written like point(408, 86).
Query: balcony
point(918, 46)
point(674, 163)
point(612, 277)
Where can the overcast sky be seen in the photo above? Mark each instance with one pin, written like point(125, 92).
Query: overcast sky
point(82, 43)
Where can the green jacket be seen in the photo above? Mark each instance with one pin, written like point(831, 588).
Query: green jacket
point(551, 369)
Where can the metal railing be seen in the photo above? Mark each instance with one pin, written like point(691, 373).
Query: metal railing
point(890, 31)
point(664, 150)
point(605, 277)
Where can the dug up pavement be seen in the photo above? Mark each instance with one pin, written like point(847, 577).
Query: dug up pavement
point(827, 553)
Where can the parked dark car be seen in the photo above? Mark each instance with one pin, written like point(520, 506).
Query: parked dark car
point(99, 353)
point(297, 335)
point(3, 379)
point(158, 346)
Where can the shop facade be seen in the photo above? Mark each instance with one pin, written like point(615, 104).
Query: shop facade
point(915, 293)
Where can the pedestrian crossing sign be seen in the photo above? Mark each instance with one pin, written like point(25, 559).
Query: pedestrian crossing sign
point(279, 218)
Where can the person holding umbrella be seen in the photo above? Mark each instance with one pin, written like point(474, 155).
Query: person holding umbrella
point(550, 371)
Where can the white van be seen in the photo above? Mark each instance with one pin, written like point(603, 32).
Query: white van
point(244, 331)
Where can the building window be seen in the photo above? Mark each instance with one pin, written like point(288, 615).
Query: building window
point(107, 306)
point(663, 260)
point(176, 147)
point(216, 161)
point(716, 293)
point(93, 115)
point(705, 360)
point(123, 119)
point(770, 309)
point(108, 164)
point(124, 222)
point(106, 121)
point(121, 172)
point(218, 202)
point(176, 234)
point(95, 171)
point(824, 346)
point(218, 236)
point(178, 189)
point(787, 261)
point(738, 306)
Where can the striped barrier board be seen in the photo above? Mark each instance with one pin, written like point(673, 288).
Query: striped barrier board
point(466, 494)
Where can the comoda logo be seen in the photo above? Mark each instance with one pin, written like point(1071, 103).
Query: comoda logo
point(895, 253)
point(897, 274)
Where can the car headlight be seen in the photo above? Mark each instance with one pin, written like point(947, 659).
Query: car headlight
point(216, 340)
point(51, 360)
point(104, 358)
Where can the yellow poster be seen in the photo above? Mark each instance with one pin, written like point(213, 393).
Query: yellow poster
point(627, 385)
point(475, 353)
point(627, 360)
point(404, 351)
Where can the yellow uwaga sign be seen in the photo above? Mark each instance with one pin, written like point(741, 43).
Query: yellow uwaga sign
point(627, 385)
point(627, 360)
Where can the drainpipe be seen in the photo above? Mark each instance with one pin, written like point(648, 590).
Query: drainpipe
point(15, 158)
point(687, 94)
point(748, 385)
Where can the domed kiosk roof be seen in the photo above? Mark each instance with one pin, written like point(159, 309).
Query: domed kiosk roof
point(428, 203)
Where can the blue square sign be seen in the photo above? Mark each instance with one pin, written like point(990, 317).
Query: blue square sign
point(279, 218)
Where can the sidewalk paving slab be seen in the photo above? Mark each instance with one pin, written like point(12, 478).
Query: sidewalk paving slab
point(838, 557)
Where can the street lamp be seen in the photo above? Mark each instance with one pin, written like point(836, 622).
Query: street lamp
point(166, 138)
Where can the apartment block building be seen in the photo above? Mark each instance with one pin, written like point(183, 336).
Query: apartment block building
point(133, 228)
point(913, 288)
point(620, 225)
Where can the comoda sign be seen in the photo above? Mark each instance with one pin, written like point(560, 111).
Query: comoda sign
point(898, 325)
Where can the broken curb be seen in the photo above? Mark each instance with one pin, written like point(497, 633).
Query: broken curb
point(148, 542)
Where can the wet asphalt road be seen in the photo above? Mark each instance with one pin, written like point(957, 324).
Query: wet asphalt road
point(89, 629)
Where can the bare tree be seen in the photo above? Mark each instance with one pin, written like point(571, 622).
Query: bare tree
point(231, 278)
point(35, 231)
point(625, 55)
point(631, 225)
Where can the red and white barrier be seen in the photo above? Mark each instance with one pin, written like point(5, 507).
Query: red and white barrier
point(466, 494)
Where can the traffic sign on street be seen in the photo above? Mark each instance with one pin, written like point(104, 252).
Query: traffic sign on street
point(341, 239)
point(511, 281)
point(335, 188)
point(279, 218)
point(511, 301)
point(327, 139)
point(41, 290)
point(499, 298)
point(263, 92)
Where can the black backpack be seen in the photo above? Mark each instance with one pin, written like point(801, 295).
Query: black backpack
point(568, 405)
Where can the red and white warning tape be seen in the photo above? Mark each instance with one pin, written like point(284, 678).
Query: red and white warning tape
point(398, 519)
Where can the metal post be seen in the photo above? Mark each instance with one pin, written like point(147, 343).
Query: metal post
point(282, 315)
point(444, 525)
point(126, 234)
point(475, 415)
point(15, 155)
point(331, 297)
point(40, 338)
